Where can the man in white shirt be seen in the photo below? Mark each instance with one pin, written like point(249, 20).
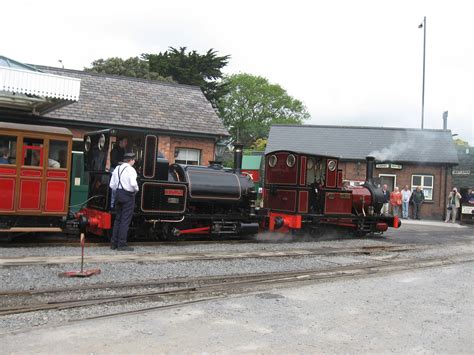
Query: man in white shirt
point(124, 182)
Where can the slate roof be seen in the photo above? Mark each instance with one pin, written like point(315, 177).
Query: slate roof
point(110, 100)
point(355, 143)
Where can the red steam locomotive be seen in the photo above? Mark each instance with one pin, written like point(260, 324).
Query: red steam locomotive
point(304, 192)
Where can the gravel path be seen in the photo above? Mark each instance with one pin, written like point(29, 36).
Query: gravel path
point(422, 311)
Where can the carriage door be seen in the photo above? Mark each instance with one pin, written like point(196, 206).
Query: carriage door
point(56, 190)
point(31, 175)
point(79, 181)
point(8, 173)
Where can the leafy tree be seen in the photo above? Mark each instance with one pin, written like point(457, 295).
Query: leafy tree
point(259, 145)
point(204, 70)
point(134, 67)
point(461, 143)
point(192, 68)
point(253, 104)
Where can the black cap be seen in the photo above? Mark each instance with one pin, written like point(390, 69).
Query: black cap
point(129, 156)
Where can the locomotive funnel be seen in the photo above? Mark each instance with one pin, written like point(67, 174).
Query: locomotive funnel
point(238, 155)
point(369, 174)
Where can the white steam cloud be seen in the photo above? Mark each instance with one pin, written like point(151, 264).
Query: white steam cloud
point(405, 150)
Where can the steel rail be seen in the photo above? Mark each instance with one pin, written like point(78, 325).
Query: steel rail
point(208, 256)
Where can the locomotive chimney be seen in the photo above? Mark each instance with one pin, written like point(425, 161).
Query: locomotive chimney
point(370, 169)
point(238, 155)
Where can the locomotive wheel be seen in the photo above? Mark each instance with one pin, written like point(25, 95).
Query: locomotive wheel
point(167, 232)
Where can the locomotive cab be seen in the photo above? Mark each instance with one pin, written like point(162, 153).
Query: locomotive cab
point(157, 199)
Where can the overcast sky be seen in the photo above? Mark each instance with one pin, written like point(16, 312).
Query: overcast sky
point(350, 62)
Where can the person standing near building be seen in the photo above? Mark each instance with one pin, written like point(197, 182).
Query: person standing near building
point(396, 200)
point(417, 197)
point(406, 195)
point(454, 202)
point(124, 182)
point(386, 200)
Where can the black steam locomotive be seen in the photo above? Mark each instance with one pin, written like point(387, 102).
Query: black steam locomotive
point(174, 200)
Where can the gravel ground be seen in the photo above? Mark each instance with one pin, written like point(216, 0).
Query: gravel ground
point(46, 276)
point(193, 248)
point(422, 311)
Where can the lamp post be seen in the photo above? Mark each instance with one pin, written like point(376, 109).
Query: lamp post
point(220, 149)
point(423, 25)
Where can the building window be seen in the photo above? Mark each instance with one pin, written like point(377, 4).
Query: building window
point(187, 156)
point(426, 184)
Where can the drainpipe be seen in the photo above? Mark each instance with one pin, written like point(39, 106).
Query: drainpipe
point(369, 172)
point(445, 203)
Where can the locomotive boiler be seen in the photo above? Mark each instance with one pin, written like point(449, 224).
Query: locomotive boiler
point(304, 192)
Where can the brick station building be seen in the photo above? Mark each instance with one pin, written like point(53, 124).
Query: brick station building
point(412, 157)
point(185, 122)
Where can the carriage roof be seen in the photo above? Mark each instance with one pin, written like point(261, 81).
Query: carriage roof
point(36, 129)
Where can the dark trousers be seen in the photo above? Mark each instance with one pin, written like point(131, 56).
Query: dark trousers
point(416, 210)
point(124, 206)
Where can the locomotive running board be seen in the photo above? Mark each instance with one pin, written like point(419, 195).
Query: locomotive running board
point(31, 229)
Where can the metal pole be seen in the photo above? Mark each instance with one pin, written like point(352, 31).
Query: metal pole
point(423, 92)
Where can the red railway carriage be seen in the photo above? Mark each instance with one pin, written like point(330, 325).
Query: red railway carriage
point(305, 192)
point(34, 177)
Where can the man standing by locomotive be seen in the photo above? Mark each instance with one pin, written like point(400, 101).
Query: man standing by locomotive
point(386, 200)
point(124, 182)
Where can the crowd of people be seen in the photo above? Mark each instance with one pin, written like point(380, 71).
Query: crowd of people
point(393, 201)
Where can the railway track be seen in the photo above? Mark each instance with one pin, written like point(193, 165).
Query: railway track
point(75, 243)
point(216, 255)
point(161, 294)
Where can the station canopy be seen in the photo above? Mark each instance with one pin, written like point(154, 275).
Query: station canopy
point(25, 88)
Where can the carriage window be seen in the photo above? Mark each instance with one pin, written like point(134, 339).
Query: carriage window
point(187, 156)
point(7, 149)
point(32, 152)
point(57, 154)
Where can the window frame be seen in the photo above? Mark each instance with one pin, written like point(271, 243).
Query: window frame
point(49, 154)
point(27, 145)
point(423, 186)
point(10, 149)
point(186, 160)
